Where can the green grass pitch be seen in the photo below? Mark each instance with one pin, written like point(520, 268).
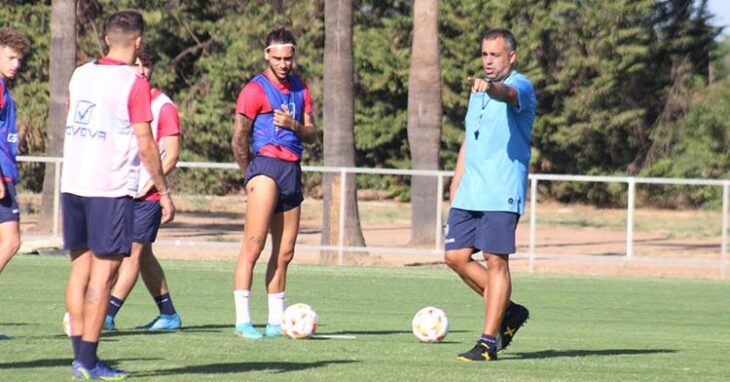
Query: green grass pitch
point(581, 328)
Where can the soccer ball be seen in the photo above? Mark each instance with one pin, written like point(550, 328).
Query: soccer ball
point(299, 322)
point(67, 324)
point(430, 324)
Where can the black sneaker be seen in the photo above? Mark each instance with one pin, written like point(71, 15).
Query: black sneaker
point(514, 318)
point(480, 352)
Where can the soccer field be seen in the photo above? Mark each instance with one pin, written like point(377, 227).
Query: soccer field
point(581, 328)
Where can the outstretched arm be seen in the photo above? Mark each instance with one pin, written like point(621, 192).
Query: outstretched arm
point(496, 90)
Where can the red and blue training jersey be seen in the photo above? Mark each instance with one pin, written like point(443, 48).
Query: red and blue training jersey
point(8, 135)
point(257, 101)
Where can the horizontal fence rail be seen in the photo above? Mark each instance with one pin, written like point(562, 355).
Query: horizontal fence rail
point(534, 179)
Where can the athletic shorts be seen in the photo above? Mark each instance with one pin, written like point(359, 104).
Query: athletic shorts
point(286, 175)
point(103, 225)
point(9, 209)
point(486, 231)
point(147, 216)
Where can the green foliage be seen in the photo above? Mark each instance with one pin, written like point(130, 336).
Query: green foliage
point(696, 146)
point(721, 58)
point(611, 79)
point(589, 66)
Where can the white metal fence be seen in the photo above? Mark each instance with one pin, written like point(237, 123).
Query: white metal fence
point(534, 179)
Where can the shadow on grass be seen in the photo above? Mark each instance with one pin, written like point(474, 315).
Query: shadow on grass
point(543, 354)
point(55, 362)
point(135, 332)
point(17, 324)
point(212, 328)
point(376, 332)
point(242, 367)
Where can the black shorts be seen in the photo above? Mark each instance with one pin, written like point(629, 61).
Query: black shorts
point(147, 217)
point(286, 175)
point(487, 231)
point(9, 209)
point(103, 225)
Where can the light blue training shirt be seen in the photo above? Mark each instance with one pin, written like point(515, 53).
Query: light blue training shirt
point(497, 152)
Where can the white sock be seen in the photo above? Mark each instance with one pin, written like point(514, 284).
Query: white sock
point(276, 308)
point(240, 297)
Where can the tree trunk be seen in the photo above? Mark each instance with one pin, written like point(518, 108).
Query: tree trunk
point(424, 118)
point(63, 62)
point(339, 142)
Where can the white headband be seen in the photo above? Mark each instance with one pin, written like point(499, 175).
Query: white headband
point(287, 45)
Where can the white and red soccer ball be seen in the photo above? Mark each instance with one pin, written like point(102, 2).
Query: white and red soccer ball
point(430, 324)
point(299, 321)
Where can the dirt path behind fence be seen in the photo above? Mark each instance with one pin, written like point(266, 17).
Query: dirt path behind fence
point(588, 241)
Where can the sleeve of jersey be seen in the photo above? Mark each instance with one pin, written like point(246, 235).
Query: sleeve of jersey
point(169, 121)
point(140, 110)
point(525, 94)
point(307, 99)
point(1, 96)
point(249, 101)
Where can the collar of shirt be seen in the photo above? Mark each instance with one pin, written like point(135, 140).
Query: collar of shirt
point(110, 61)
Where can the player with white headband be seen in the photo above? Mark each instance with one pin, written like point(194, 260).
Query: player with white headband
point(274, 114)
point(287, 45)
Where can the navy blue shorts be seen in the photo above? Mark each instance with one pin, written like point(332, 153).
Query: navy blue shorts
point(9, 209)
point(147, 217)
point(103, 225)
point(486, 231)
point(286, 175)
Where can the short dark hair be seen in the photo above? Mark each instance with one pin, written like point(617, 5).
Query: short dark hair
point(15, 40)
point(505, 34)
point(282, 36)
point(147, 55)
point(121, 26)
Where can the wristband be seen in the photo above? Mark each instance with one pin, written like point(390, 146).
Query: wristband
point(164, 193)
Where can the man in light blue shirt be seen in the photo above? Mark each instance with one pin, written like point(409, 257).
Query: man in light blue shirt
point(489, 187)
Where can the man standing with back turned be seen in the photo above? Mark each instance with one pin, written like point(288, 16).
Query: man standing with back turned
point(107, 133)
point(489, 188)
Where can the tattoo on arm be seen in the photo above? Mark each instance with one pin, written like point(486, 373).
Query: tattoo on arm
point(240, 140)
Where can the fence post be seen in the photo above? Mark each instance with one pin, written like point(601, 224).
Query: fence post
point(341, 222)
point(56, 196)
point(723, 246)
point(533, 222)
point(630, 218)
point(439, 202)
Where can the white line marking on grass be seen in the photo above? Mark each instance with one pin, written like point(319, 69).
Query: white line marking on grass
point(336, 336)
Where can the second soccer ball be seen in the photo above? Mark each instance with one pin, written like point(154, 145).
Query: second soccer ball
point(299, 322)
point(430, 324)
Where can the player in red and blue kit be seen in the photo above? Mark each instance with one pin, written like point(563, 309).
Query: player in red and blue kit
point(274, 114)
point(13, 47)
